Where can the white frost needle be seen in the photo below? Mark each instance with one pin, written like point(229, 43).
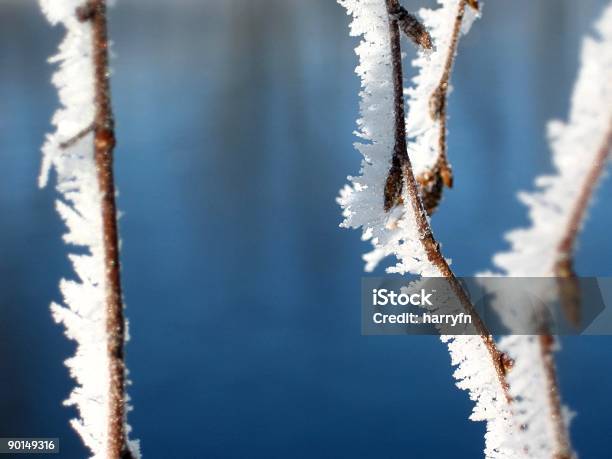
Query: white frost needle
point(391, 233)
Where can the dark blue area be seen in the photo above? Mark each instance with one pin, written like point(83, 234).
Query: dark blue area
point(234, 123)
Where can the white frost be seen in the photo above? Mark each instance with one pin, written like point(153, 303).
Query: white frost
point(393, 233)
point(476, 375)
point(529, 390)
point(574, 144)
point(533, 253)
point(423, 131)
point(84, 314)
point(396, 233)
point(473, 374)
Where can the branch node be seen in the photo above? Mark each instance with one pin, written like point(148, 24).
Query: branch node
point(437, 101)
point(105, 139)
point(401, 165)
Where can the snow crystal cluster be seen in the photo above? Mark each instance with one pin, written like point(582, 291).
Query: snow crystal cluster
point(475, 375)
point(393, 233)
point(80, 207)
point(362, 200)
point(422, 129)
point(574, 144)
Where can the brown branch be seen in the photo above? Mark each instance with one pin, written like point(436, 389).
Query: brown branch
point(569, 289)
point(94, 11)
point(412, 27)
point(401, 164)
point(562, 447)
point(439, 98)
point(568, 242)
point(564, 266)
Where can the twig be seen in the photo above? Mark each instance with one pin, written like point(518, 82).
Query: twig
point(569, 294)
point(78, 136)
point(563, 450)
point(564, 268)
point(401, 163)
point(432, 182)
point(104, 144)
point(568, 242)
point(439, 98)
point(412, 27)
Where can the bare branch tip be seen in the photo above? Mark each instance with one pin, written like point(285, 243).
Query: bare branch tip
point(412, 27)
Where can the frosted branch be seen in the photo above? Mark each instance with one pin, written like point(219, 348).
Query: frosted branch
point(394, 217)
point(557, 210)
point(82, 155)
point(428, 97)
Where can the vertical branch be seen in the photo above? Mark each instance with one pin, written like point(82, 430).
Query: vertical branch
point(569, 288)
point(104, 144)
point(568, 242)
point(402, 167)
point(580, 148)
point(565, 250)
point(395, 183)
point(562, 443)
point(432, 180)
point(439, 99)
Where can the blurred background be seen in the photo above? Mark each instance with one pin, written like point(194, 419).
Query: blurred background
point(235, 122)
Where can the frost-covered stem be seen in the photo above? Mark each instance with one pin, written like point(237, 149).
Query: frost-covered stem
point(400, 153)
point(439, 98)
point(104, 144)
point(564, 269)
point(432, 248)
point(562, 447)
point(568, 242)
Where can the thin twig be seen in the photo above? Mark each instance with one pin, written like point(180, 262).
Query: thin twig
point(401, 162)
point(78, 136)
point(562, 443)
point(565, 250)
point(412, 27)
point(567, 245)
point(439, 98)
point(432, 182)
point(104, 144)
point(570, 292)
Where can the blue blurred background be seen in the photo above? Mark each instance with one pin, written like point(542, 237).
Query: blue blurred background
point(235, 122)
